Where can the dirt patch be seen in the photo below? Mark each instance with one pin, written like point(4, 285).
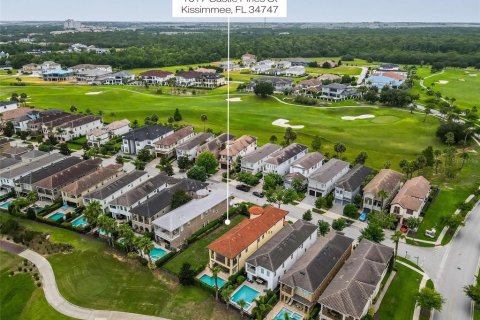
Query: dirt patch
point(361, 117)
point(284, 124)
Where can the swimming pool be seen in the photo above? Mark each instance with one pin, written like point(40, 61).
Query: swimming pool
point(5, 205)
point(210, 281)
point(157, 253)
point(246, 294)
point(56, 216)
point(65, 207)
point(291, 315)
point(80, 222)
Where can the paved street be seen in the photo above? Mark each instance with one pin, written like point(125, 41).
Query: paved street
point(450, 267)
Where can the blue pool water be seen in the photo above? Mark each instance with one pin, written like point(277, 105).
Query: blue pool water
point(246, 294)
point(291, 315)
point(103, 232)
point(210, 281)
point(80, 222)
point(157, 253)
point(64, 207)
point(56, 216)
point(5, 205)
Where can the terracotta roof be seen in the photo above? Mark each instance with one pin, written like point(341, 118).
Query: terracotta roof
point(310, 83)
point(394, 75)
point(238, 146)
point(156, 73)
point(85, 183)
point(246, 232)
point(255, 210)
point(385, 180)
point(413, 193)
point(175, 137)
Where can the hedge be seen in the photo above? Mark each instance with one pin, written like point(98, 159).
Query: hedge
point(160, 262)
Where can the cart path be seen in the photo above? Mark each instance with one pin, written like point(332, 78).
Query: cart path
point(56, 300)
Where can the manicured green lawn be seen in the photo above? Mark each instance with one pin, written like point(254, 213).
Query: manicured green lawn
point(393, 135)
point(461, 84)
point(452, 192)
point(476, 310)
point(97, 277)
point(197, 253)
point(399, 302)
point(20, 298)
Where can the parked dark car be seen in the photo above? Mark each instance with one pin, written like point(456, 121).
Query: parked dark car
point(258, 194)
point(243, 187)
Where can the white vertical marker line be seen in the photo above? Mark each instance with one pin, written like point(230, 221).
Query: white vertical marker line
point(227, 222)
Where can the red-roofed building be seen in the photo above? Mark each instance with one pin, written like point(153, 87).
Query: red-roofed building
point(231, 250)
point(157, 76)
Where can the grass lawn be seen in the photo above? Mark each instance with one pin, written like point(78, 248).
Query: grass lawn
point(399, 302)
point(361, 135)
point(95, 276)
point(197, 253)
point(20, 298)
point(462, 84)
point(452, 192)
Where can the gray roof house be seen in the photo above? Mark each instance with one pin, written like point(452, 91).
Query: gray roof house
point(279, 253)
point(280, 161)
point(175, 227)
point(255, 161)
point(322, 181)
point(120, 207)
point(139, 138)
point(159, 204)
point(350, 293)
point(279, 84)
point(116, 188)
point(189, 148)
point(338, 91)
point(303, 284)
point(7, 163)
point(350, 184)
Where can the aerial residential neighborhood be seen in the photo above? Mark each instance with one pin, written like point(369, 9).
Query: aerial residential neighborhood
point(273, 169)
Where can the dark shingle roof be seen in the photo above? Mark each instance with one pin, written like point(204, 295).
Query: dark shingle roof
point(7, 162)
point(69, 175)
point(355, 282)
point(277, 250)
point(354, 178)
point(33, 177)
point(313, 268)
point(147, 133)
point(162, 200)
point(261, 153)
point(141, 191)
point(197, 140)
point(309, 160)
point(286, 153)
point(116, 185)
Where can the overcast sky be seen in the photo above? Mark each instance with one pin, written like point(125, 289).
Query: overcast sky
point(298, 11)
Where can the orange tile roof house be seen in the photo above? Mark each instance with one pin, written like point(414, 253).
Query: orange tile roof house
point(231, 250)
point(387, 181)
point(411, 198)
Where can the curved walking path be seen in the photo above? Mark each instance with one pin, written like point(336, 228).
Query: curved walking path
point(57, 301)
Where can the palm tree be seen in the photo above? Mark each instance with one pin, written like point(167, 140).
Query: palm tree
point(32, 197)
point(242, 303)
point(464, 156)
point(108, 225)
point(226, 292)
point(215, 271)
point(339, 149)
point(145, 245)
point(437, 154)
point(92, 212)
point(126, 232)
point(204, 119)
point(396, 237)
point(73, 108)
point(382, 194)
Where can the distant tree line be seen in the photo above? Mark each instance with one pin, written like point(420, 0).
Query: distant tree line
point(456, 47)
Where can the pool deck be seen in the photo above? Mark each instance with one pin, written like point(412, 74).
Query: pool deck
point(207, 271)
point(256, 286)
point(278, 307)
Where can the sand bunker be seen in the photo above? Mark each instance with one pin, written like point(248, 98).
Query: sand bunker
point(284, 124)
point(93, 93)
point(363, 116)
point(442, 82)
point(234, 99)
point(463, 80)
point(472, 74)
